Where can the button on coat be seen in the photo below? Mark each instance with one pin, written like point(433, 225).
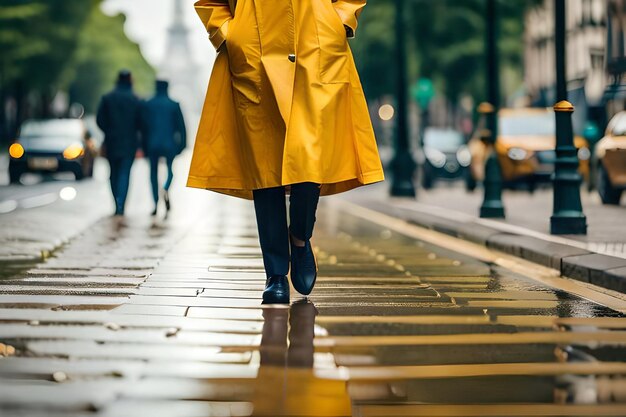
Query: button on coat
point(270, 121)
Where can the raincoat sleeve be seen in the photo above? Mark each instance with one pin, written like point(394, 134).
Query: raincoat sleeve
point(215, 15)
point(349, 11)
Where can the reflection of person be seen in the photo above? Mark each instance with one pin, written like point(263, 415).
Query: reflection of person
point(286, 384)
point(164, 136)
point(284, 110)
point(118, 118)
point(91, 151)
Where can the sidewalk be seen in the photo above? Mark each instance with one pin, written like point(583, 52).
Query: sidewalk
point(139, 318)
point(36, 220)
point(598, 258)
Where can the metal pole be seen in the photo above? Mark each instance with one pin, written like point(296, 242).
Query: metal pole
point(559, 49)
point(403, 165)
point(424, 120)
point(492, 206)
point(567, 216)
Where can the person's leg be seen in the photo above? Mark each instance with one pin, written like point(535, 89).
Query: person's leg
point(154, 177)
point(114, 179)
point(170, 173)
point(168, 182)
point(304, 199)
point(302, 208)
point(126, 165)
point(271, 216)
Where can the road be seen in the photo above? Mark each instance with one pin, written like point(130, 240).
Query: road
point(38, 190)
point(143, 317)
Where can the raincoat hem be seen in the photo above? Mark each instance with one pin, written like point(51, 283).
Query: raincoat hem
point(233, 187)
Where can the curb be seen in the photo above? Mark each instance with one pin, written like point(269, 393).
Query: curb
point(602, 270)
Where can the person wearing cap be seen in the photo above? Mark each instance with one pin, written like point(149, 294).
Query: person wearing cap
point(119, 118)
point(164, 136)
point(284, 113)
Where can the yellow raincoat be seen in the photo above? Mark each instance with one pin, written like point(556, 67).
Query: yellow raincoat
point(284, 104)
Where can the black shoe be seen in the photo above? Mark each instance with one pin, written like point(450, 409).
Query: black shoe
point(303, 268)
point(154, 212)
point(276, 290)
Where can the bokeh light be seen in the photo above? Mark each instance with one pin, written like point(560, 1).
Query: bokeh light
point(74, 151)
point(67, 193)
point(386, 112)
point(16, 151)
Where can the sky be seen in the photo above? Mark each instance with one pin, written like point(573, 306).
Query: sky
point(147, 22)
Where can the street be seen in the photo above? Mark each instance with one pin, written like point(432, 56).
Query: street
point(142, 317)
point(467, 257)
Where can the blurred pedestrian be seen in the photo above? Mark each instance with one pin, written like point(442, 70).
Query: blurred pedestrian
point(285, 111)
point(164, 136)
point(118, 117)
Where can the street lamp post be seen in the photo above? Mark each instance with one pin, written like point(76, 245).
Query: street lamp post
point(403, 165)
point(567, 216)
point(492, 206)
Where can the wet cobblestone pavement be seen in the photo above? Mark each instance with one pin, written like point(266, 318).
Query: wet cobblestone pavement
point(135, 318)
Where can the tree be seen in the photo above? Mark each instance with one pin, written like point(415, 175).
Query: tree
point(103, 50)
point(55, 46)
point(39, 34)
point(37, 38)
point(374, 48)
point(446, 44)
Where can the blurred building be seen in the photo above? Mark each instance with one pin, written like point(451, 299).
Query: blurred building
point(595, 57)
point(616, 55)
point(178, 66)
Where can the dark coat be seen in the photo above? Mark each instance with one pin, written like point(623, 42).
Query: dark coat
point(119, 118)
point(164, 132)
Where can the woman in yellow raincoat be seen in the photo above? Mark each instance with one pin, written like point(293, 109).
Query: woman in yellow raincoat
point(284, 110)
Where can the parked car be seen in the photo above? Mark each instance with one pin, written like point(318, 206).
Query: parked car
point(446, 156)
point(525, 148)
point(58, 145)
point(610, 152)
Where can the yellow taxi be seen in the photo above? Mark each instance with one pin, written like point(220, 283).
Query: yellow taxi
point(525, 147)
point(610, 152)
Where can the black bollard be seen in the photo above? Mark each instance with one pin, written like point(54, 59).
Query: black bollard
point(492, 206)
point(403, 166)
point(567, 216)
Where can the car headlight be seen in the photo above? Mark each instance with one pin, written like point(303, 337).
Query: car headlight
point(16, 151)
point(584, 153)
point(435, 157)
point(74, 151)
point(517, 154)
point(464, 156)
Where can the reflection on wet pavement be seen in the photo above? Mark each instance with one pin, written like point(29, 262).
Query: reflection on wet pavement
point(142, 319)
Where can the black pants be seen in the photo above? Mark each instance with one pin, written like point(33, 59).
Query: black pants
point(271, 217)
point(120, 180)
point(154, 174)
